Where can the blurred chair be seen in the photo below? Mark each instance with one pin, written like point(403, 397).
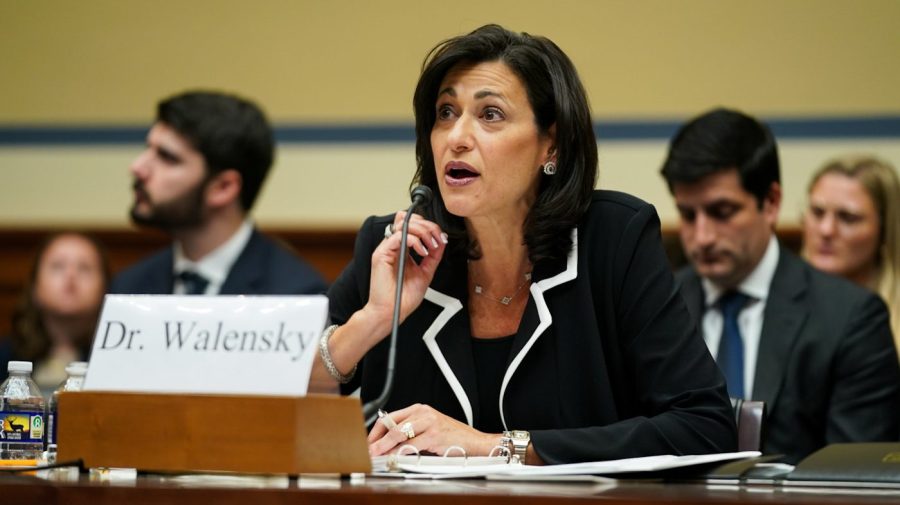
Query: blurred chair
point(750, 418)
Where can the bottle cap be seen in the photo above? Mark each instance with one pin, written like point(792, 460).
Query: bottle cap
point(19, 367)
point(77, 368)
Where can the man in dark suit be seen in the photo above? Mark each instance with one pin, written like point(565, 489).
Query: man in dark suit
point(817, 349)
point(207, 156)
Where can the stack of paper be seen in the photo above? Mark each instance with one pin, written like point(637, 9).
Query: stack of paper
point(429, 466)
point(498, 468)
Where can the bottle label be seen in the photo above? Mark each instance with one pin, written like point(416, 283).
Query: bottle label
point(51, 427)
point(22, 427)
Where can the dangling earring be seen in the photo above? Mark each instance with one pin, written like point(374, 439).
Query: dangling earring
point(549, 168)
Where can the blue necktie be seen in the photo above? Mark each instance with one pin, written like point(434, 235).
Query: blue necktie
point(731, 345)
point(194, 283)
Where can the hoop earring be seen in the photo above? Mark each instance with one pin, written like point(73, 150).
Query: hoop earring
point(549, 168)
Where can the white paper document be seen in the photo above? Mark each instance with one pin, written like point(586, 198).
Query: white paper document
point(433, 466)
point(630, 465)
point(497, 468)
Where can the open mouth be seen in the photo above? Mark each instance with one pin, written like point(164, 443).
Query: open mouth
point(458, 174)
point(461, 173)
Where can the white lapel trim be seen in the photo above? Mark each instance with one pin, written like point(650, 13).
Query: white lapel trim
point(544, 317)
point(451, 307)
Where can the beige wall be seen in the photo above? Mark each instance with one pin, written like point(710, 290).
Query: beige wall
point(343, 62)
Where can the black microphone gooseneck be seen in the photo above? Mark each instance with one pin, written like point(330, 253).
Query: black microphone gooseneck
point(421, 195)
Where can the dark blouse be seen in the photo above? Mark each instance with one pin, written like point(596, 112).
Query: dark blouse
point(491, 355)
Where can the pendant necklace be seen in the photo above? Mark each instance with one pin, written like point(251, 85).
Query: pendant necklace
point(505, 300)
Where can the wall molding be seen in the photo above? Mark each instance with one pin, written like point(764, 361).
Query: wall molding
point(826, 127)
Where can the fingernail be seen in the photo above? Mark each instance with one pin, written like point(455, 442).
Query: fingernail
point(445, 238)
point(434, 242)
point(426, 251)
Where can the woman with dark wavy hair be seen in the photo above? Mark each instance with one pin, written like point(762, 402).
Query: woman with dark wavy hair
point(537, 314)
point(53, 324)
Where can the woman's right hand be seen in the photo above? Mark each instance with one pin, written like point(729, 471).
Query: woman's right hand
point(371, 324)
point(429, 242)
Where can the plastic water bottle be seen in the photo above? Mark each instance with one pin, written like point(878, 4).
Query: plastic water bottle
point(22, 415)
point(76, 371)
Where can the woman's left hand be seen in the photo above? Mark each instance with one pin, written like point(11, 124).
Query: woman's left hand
point(433, 432)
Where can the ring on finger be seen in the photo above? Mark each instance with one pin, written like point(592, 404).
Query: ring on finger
point(389, 230)
point(407, 429)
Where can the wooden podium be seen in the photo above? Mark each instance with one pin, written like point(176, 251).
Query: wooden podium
point(206, 433)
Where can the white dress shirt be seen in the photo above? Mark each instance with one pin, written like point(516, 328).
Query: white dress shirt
point(750, 319)
point(216, 265)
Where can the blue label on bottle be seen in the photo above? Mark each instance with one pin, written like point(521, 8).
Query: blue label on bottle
point(22, 427)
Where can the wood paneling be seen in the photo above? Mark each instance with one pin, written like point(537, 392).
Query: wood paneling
point(327, 250)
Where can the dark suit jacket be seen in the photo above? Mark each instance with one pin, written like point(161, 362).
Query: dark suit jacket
point(826, 368)
point(263, 268)
point(606, 363)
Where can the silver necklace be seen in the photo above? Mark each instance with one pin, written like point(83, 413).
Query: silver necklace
point(505, 300)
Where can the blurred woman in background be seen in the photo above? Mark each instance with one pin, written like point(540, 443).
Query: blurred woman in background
point(851, 226)
point(55, 319)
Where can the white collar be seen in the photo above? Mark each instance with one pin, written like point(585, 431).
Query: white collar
point(756, 284)
point(453, 305)
point(216, 265)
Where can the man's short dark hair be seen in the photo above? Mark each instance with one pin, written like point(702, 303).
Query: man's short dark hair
point(230, 132)
point(724, 139)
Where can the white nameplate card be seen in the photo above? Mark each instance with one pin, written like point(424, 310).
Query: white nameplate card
point(206, 344)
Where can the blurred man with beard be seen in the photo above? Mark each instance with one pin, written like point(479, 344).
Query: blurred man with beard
point(206, 159)
point(817, 349)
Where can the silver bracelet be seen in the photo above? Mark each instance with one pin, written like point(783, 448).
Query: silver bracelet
point(326, 357)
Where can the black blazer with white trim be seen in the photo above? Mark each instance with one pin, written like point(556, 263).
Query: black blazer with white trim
point(606, 363)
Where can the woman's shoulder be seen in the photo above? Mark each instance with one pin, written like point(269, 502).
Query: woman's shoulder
point(373, 228)
point(615, 219)
point(608, 204)
point(374, 221)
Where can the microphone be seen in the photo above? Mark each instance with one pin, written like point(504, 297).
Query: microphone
point(421, 196)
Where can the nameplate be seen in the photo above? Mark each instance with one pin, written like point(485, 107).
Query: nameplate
point(206, 344)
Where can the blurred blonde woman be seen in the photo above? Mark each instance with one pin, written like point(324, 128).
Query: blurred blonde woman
point(851, 226)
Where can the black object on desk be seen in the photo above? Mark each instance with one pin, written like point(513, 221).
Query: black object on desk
point(852, 465)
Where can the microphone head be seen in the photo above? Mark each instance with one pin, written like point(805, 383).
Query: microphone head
point(422, 195)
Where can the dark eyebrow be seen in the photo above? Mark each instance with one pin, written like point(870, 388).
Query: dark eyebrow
point(168, 155)
point(721, 202)
point(486, 93)
point(478, 95)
